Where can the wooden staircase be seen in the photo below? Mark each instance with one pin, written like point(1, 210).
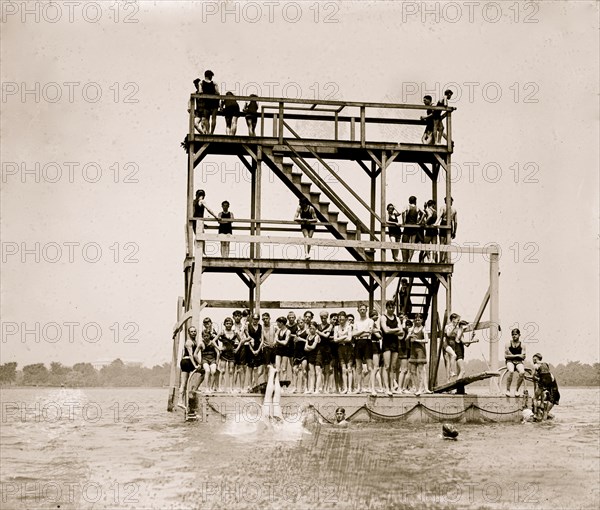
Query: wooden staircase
point(293, 179)
point(420, 292)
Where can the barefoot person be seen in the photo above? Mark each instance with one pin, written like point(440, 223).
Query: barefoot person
point(514, 354)
point(225, 227)
point(210, 106)
point(390, 327)
point(418, 339)
point(394, 230)
point(305, 215)
point(363, 354)
point(342, 336)
point(190, 362)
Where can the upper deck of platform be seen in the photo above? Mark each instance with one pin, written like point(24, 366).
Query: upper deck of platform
point(333, 129)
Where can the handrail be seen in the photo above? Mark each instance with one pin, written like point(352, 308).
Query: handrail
point(346, 243)
point(328, 102)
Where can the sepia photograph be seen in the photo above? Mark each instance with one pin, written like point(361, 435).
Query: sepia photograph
point(311, 254)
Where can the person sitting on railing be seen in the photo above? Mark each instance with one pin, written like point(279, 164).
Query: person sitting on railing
point(305, 215)
point(394, 230)
point(514, 355)
point(225, 227)
point(428, 137)
point(410, 216)
point(251, 111)
point(439, 117)
point(209, 106)
point(231, 110)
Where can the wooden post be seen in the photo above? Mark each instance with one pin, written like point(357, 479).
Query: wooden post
point(257, 216)
point(373, 205)
point(252, 204)
point(363, 134)
point(383, 215)
point(449, 130)
point(190, 184)
point(433, 338)
point(336, 127)
point(352, 129)
point(494, 316)
point(175, 371)
point(281, 122)
point(448, 204)
point(197, 280)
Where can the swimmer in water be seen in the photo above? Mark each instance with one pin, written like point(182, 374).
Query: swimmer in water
point(340, 418)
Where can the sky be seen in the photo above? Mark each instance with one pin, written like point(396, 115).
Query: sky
point(93, 183)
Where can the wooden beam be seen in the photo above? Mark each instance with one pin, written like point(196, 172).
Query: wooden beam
point(270, 305)
point(198, 156)
point(265, 275)
point(494, 315)
point(344, 243)
point(174, 374)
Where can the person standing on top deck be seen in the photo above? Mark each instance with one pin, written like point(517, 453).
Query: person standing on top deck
point(210, 106)
point(431, 232)
point(428, 137)
point(410, 216)
point(225, 227)
point(305, 215)
point(231, 110)
point(514, 354)
point(251, 112)
point(442, 220)
point(197, 105)
point(394, 230)
point(438, 125)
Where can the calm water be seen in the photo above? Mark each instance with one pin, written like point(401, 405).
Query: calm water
point(119, 448)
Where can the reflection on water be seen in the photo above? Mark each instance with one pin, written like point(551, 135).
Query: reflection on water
point(119, 448)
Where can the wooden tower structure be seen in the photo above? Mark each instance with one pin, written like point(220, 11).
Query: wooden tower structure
point(283, 148)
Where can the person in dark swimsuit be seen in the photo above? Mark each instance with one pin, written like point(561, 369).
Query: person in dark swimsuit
point(251, 112)
point(312, 347)
point(305, 215)
point(514, 354)
point(410, 216)
point(229, 340)
point(431, 232)
point(394, 230)
point(190, 361)
point(403, 354)
point(428, 137)
point(282, 340)
point(225, 227)
point(209, 106)
point(209, 354)
point(254, 355)
point(391, 328)
point(300, 357)
point(376, 350)
point(546, 390)
point(343, 339)
point(231, 111)
point(324, 360)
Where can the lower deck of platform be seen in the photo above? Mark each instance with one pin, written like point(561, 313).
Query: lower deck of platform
point(428, 408)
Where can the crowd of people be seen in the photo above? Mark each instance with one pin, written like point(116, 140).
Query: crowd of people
point(338, 353)
point(206, 110)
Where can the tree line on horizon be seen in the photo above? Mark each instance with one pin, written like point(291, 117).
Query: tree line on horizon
point(117, 373)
